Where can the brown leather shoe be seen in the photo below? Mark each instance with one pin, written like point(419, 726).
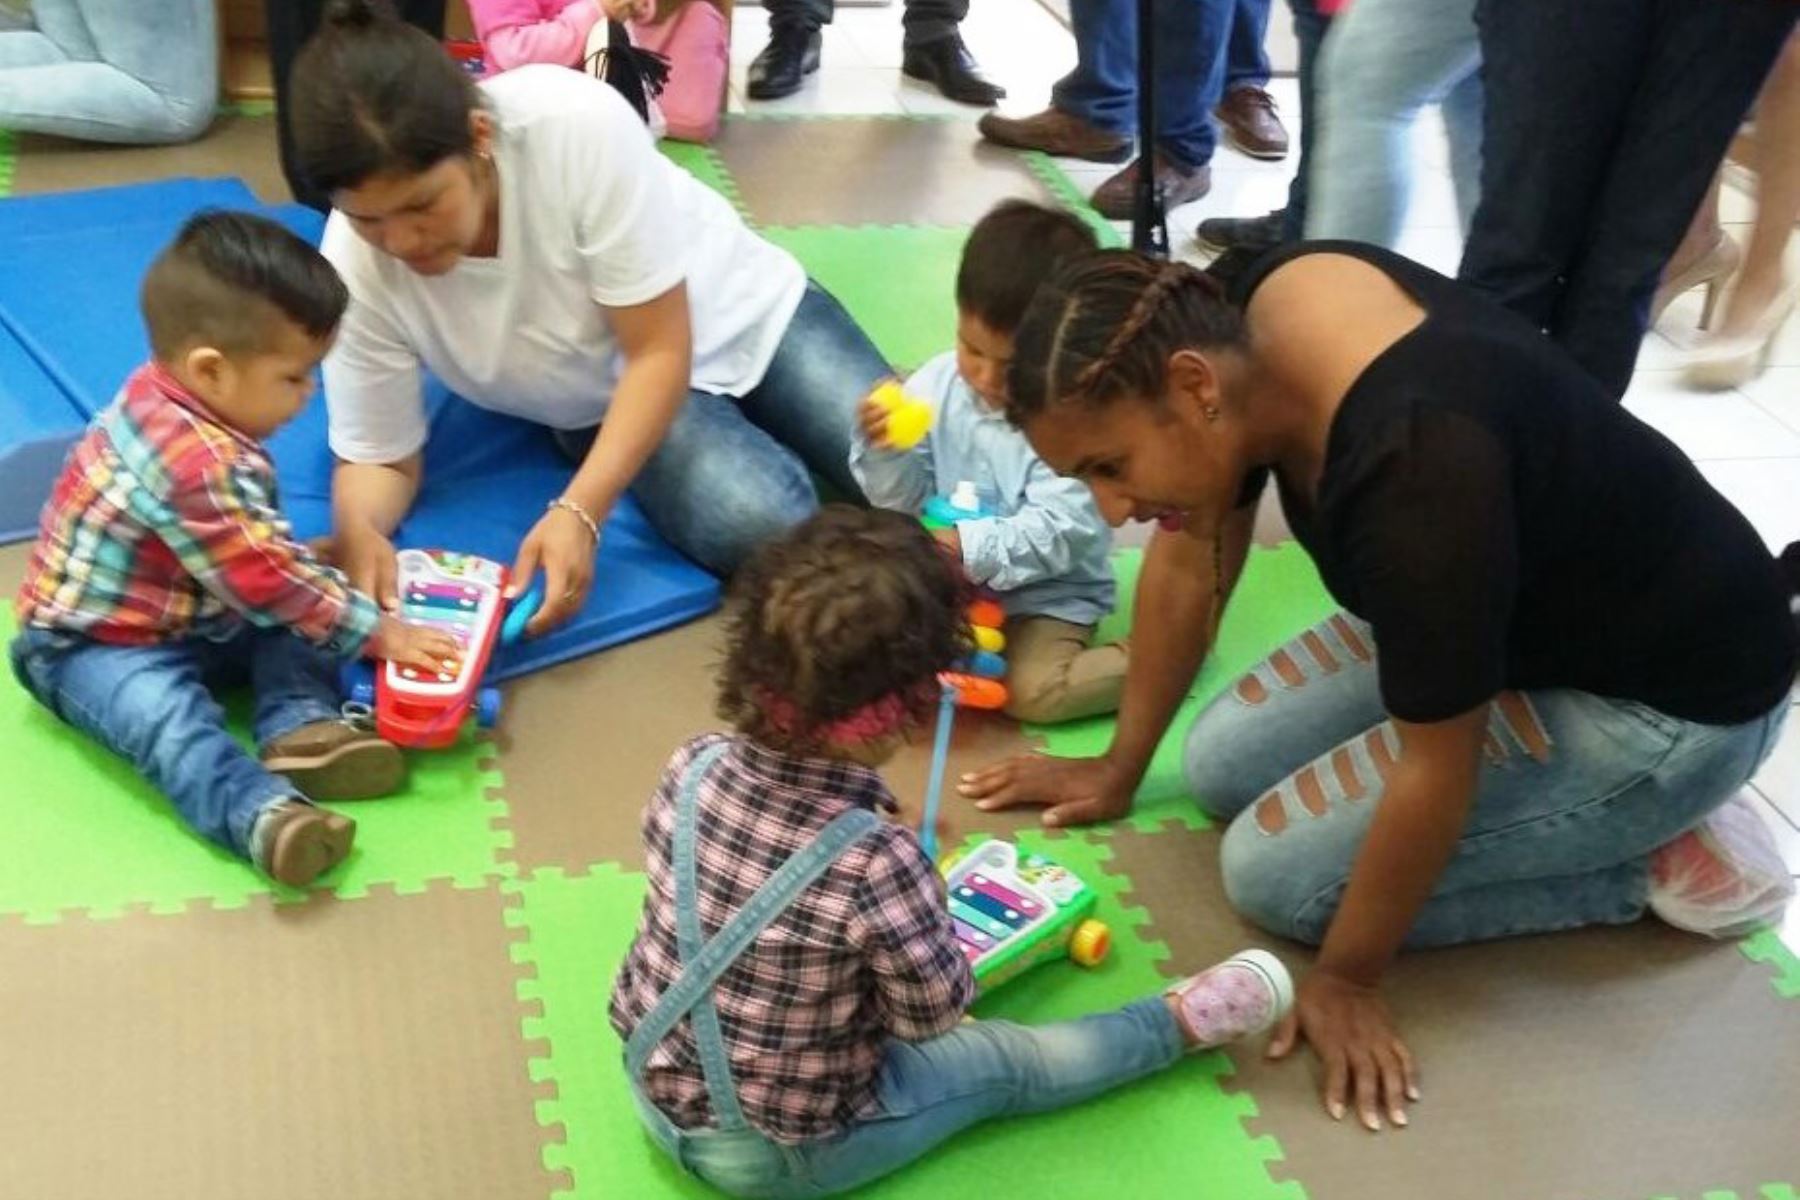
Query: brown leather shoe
point(1056, 132)
point(295, 843)
point(336, 760)
point(1113, 199)
point(1248, 115)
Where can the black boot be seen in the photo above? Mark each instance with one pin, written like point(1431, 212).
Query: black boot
point(791, 55)
point(947, 64)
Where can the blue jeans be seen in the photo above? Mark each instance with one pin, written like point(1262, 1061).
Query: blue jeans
point(1383, 62)
point(1102, 89)
point(133, 71)
point(152, 705)
point(1246, 59)
point(1574, 793)
point(733, 470)
point(930, 1091)
point(1605, 123)
point(1310, 27)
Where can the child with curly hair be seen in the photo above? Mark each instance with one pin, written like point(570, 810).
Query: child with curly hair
point(793, 1006)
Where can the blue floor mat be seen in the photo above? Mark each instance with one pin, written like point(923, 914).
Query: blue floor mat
point(69, 298)
point(38, 421)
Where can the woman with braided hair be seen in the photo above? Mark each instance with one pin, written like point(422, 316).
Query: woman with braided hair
point(1562, 653)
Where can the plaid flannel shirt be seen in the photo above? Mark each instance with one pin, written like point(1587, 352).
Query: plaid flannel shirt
point(164, 525)
point(864, 954)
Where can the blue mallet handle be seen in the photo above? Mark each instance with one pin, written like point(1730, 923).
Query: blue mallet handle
point(523, 609)
point(940, 758)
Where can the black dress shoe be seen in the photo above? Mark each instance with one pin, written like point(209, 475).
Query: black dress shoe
point(791, 55)
point(947, 64)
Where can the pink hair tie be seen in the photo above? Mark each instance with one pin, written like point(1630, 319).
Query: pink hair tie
point(881, 717)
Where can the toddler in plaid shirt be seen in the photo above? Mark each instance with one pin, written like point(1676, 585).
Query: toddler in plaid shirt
point(163, 563)
point(793, 1005)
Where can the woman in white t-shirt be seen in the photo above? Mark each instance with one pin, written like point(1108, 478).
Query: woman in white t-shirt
point(524, 241)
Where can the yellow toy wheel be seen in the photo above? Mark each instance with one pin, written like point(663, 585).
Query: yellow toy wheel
point(1089, 943)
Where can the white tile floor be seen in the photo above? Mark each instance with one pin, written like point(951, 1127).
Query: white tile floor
point(1747, 441)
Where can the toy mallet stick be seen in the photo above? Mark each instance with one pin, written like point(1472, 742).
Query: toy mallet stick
point(940, 759)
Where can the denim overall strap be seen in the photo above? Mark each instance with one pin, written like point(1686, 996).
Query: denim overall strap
point(702, 965)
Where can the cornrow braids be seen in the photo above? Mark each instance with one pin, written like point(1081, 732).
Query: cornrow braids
point(854, 610)
point(1106, 324)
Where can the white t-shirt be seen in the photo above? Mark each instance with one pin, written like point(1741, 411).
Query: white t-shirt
point(590, 215)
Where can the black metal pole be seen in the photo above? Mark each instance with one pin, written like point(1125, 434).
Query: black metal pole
point(1149, 221)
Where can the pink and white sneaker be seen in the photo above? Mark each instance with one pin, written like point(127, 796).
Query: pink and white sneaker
point(1724, 877)
point(1239, 998)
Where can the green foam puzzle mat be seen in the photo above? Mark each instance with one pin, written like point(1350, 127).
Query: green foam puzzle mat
point(87, 833)
point(896, 280)
point(1182, 1126)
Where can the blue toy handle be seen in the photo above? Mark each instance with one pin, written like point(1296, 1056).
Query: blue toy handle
point(523, 609)
point(940, 759)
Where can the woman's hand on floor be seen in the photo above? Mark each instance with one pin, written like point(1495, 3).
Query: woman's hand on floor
point(561, 546)
point(1349, 1028)
point(1076, 791)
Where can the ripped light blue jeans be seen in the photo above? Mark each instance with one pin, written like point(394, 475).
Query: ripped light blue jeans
point(1574, 793)
point(131, 71)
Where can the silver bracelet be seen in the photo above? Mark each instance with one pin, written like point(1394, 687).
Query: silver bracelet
point(581, 514)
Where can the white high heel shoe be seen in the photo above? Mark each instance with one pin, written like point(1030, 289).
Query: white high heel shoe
point(1727, 362)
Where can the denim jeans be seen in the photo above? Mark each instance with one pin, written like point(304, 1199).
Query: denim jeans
point(152, 705)
point(1190, 42)
point(1246, 59)
point(1573, 794)
point(1605, 123)
point(734, 471)
point(930, 1091)
point(1383, 62)
point(129, 71)
point(1310, 27)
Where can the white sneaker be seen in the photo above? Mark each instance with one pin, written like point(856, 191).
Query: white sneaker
point(1724, 878)
point(1238, 998)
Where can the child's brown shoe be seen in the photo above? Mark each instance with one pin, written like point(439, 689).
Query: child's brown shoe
point(295, 843)
point(337, 760)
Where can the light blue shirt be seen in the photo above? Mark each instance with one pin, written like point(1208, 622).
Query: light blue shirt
point(1046, 552)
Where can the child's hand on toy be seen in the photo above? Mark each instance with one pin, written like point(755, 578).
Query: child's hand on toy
point(418, 646)
point(872, 415)
point(562, 546)
point(1076, 791)
point(1349, 1028)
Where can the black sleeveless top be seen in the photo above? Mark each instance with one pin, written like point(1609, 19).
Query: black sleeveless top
point(1502, 523)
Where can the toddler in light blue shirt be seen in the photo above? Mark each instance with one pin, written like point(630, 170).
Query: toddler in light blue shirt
point(1045, 547)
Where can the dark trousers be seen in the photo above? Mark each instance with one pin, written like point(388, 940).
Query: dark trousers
point(924, 20)
point(1309, 31)
point(291, 23)
point(1605, 122)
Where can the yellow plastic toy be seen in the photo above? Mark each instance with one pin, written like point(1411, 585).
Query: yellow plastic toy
point(909, 418)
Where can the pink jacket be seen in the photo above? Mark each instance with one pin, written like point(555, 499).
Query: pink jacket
point(516, 32)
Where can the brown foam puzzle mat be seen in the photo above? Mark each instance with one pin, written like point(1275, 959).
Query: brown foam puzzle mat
point(1625, 1062)
point(886, 171)
point(362, 1051)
